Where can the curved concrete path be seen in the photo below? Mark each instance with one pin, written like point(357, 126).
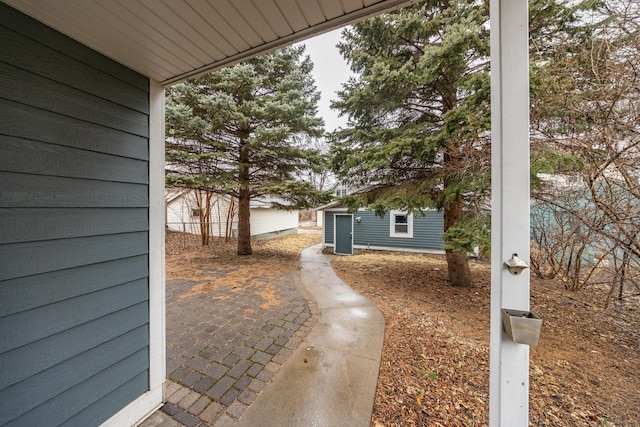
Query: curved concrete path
point(330, 380)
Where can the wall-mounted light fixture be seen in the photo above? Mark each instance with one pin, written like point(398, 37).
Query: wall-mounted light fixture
point(358, 218)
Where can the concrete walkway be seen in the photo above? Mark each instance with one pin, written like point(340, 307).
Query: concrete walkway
point(330, 380)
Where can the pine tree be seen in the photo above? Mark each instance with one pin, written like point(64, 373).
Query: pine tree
point(419, 118)
point(238, 131)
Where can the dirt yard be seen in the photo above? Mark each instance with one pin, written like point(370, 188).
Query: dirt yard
point(435, 368)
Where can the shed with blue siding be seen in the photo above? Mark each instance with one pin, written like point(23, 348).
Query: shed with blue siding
point(397, 230)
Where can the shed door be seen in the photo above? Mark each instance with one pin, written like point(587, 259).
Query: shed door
point(344, 237)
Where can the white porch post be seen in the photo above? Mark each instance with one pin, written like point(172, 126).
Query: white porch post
point(157, 209)
point(509, 368)
point(150, 401)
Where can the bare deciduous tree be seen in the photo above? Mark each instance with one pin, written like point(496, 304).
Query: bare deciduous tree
point(586, 124)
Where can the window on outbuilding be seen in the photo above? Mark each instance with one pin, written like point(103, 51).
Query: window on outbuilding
point(401, 224)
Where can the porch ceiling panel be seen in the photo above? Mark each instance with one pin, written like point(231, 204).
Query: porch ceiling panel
point(171, 40)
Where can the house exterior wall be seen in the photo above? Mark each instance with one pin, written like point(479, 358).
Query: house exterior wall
point(74, 219)
point(180, 216)
point(373, 232)
point(265, 221)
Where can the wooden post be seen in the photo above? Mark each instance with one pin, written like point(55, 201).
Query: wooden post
point(509, 368)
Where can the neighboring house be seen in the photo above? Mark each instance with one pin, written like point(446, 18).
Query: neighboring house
point(267, 221)
point(559, 224)
point(182, 214)
point(397, 231)
point(339, 190)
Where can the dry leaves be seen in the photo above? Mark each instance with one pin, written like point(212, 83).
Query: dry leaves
point(186, 258)
point(435, 369)
point(217, 265)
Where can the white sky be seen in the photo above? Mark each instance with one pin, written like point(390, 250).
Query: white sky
point(329, 71)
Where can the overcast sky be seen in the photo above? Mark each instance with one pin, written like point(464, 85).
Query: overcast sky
point(329, 71)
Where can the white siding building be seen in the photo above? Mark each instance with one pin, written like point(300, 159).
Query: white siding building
point(266, 221)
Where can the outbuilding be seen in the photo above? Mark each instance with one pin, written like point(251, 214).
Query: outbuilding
point(346, 231)
point(267, 218)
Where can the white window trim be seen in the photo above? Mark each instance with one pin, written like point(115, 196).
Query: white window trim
point(392, 225)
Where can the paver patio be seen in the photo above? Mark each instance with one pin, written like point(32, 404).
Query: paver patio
point(225, 343)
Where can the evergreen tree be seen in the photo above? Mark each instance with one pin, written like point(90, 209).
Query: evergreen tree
point(238, 131)
point(419, 117)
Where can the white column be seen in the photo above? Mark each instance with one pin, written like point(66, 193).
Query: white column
point(509, 368)
point(156, 238)
point(150, 401)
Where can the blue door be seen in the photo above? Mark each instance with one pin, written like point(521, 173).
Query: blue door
point(344, 235)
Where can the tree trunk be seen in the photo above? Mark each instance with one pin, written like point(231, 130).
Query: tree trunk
point(625, 262)
point(244, 224)
point(244, 207)
point(457, 264)
point(231, 214)
point(203, 201)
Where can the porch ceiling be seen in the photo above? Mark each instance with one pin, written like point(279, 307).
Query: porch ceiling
point(171, 40)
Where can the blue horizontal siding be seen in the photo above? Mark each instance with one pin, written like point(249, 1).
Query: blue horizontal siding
point(375, 231)
point(33, 325)
point(100, 410)
point(74, 229)
point(26, 122)
point(67, 375)
point(34, 258)
point(33, 359)
point(30, 292)
point(32, 89)
point(39, 158)
point(69, 403)
point(87, 58)
point(40, 191)
point(68, 70)
point(329, 222)
point(28, 225)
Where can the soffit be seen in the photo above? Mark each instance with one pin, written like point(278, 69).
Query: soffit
point(171, 40)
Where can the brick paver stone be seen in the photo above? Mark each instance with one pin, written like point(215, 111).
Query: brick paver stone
point(199, 405)
point(170, 387)
point(237, 409)
point(224, 345)
point(224, 384)
point(228, 398)
point(247, 397)
point(189, 399)
point(178, 395)
point(211, 412)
